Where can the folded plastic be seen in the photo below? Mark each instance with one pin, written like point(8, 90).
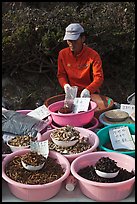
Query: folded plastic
point(19, 124)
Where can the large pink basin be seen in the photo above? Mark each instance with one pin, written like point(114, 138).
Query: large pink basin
point(93, 139)
point(35, 193)
point(74, 119)
point(104, 192)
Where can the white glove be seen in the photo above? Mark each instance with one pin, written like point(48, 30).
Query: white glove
point(67, 88)
point(85, 94)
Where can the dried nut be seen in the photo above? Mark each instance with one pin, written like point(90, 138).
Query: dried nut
point(20, 140)
point(66, 133)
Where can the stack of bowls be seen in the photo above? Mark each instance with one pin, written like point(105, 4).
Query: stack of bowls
point(104, 103)
point(80, 119)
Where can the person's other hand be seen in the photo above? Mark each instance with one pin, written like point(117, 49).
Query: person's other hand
point(67, 88)
point(85, 94)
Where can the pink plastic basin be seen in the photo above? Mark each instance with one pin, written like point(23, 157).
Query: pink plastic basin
point(49, 120)
point(35, 193)
point(74, 119)
point(91, 126)
point(93, 139)
point(104, 192)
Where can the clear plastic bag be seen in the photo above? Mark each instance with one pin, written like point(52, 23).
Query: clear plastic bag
point(69, 96)
point(131, 99)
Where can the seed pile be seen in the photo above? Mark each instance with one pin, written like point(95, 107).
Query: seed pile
point(33, 158)
point(105, 164)
point(65, 110)
point(20, 140)
point(89, 173)
point(66, 133)
point(82, 145)
point(49, 173)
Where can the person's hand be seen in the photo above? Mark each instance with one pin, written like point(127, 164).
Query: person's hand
point(67, 88)
point(85, 94)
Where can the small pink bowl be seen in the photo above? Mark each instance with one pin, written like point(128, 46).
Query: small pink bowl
point(104, 192)
point(49, 119)
point(93, 139)
point(74, 119)
point(35, 193)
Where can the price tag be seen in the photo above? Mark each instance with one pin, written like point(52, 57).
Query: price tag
point(81, 104)
point(41, 147)
point(40, 113)
point(127, 108)
point(121, 138)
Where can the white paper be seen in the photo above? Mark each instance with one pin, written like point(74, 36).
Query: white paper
point(127, 108)
point(121, 138)
point(81, 104)
point(133, 138)
point(40, 147)
point(40, 112)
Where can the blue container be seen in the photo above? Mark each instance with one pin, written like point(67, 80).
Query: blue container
point(104, 138)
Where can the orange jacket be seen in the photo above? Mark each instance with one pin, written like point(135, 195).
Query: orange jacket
point(84, 70)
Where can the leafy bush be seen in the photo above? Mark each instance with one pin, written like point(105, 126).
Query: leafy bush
point(32, 38)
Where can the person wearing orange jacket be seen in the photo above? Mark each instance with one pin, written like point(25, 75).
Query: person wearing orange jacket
point(78, 64)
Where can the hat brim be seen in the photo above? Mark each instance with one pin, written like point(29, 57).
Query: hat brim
point(71, 37)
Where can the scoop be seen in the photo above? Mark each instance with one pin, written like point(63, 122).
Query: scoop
point(64, 143)
point(33, 161)
point(106, 174)
point(31, 167)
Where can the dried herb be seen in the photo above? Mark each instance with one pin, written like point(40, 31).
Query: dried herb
point(49, 173)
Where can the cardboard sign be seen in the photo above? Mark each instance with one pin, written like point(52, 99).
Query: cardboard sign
point(127, 108)
point(40, 112)
point(121, 138)
point(81, 104)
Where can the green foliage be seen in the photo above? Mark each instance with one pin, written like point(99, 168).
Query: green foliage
point(32, 38)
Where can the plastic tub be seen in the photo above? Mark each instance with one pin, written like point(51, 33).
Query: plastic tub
point(74, 119)
point(103, 135)
point(104, 192)
point(93, 139)
point(104, 103)
point(35, 193)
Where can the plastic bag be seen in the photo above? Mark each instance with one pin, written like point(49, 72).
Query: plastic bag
point(131, 99)
point(19, 124)
point(70, 95)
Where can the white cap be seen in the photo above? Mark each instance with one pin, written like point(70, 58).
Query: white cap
point(70, 187)
point(73, 31)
